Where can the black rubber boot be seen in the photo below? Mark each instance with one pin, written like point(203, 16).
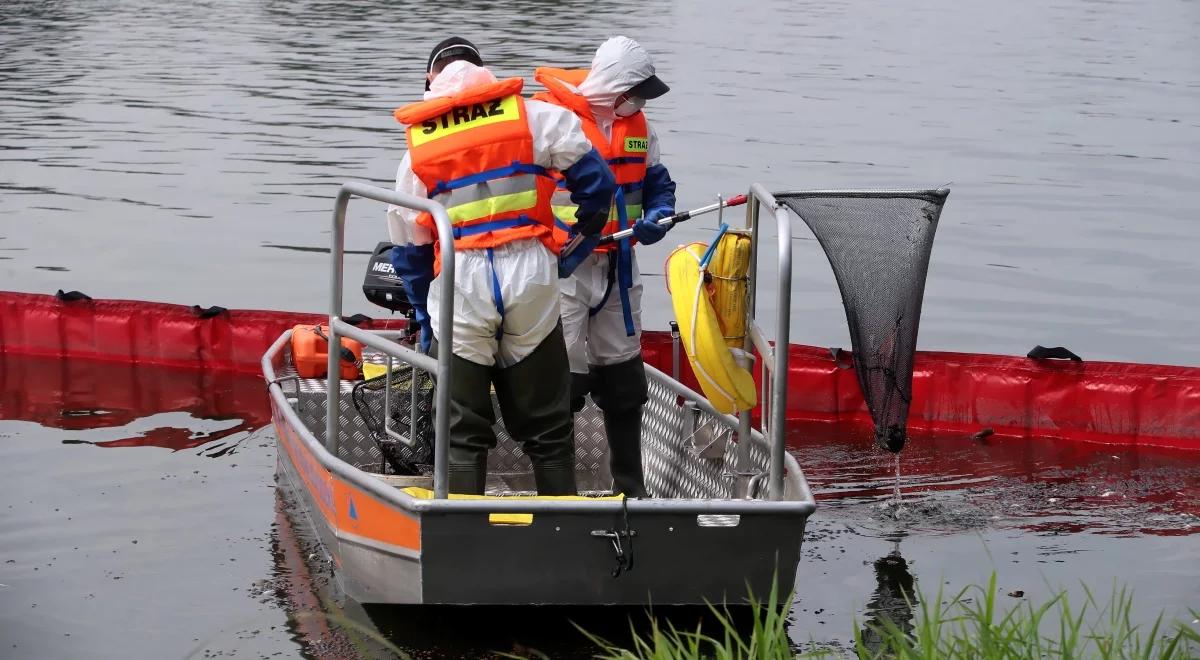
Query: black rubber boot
point(535, 400)
point(579, 390)
point(555, 479)
point(619, 390)
point(471, 420)
point(467, 479)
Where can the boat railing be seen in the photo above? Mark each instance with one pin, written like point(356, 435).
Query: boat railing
point(774, 362)
point(339, 328)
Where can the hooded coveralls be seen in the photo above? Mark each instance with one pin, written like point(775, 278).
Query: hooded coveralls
point(601, 300)
point(484, 152)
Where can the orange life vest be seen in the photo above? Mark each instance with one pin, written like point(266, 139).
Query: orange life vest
point(474, 153)
point(625, 152)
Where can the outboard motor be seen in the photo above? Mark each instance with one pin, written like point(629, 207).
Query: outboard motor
point(382, 285)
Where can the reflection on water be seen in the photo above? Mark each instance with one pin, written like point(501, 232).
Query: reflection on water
point(134, 405)
point(134, 494)
point(183, 541)
point(893, 600)
point(189, 152)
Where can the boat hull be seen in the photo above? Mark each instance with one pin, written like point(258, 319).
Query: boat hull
point(389, 548)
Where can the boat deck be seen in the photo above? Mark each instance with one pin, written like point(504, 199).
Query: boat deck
point(687, 452)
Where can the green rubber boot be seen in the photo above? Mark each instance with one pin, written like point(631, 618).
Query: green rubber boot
point(535, 400)
point(471, 420)
point(619, 390)
point(579, 390)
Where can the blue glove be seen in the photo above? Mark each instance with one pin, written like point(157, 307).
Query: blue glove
point(414, 265)
point(647, 230)
point(568, 264)
point(592, 188)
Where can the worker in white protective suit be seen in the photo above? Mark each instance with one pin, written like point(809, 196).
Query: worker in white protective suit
point(485, 153)
point(602, 297)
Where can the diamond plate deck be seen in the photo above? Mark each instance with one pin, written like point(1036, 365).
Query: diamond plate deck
point(675, 439)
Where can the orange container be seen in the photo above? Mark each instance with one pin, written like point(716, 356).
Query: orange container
point(310, 352)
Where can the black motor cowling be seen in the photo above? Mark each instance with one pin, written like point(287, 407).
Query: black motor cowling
point(382, 285)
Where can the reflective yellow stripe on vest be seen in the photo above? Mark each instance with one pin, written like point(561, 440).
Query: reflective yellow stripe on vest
point(633, 205)
point(564, 210)
point(514, 193)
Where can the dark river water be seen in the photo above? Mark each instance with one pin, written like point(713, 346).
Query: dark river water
point(141, 519)
point(189, 152)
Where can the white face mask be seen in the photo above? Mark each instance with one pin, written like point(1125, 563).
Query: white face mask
point(630, 106)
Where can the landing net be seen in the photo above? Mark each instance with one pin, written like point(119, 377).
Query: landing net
point(878, 244)
point(405, 458)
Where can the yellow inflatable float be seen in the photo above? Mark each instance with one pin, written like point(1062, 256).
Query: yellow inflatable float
point(711, 316)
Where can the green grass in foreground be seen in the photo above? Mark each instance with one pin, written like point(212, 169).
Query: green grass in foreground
point(969, 625)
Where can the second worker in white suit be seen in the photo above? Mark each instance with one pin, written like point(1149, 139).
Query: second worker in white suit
point(602, 298)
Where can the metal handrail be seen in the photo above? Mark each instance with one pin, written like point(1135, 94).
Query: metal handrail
point(804, 504)
point(868, 193)
point(764, 347)
point(776, 361)
point(339, 328)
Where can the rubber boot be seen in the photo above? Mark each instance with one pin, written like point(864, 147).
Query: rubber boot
point(471, 420)
point(579, 390)
point(535, 400)
point(619, 390)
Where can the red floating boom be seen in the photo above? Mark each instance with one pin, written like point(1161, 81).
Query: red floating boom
point(1101, 402)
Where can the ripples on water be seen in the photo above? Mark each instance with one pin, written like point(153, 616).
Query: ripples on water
point(153, 150)
point(140, 493)
point(188, 152)
point(954, 483)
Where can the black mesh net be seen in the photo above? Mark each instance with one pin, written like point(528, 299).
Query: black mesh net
point(878, 245)
point(368, 397)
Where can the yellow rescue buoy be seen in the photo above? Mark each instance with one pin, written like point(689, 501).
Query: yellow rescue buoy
point(728, 267)
point(728, 386)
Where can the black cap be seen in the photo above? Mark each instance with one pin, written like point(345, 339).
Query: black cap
point(650, 88)
point(454, 47)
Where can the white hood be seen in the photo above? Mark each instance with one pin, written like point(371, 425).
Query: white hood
point(619, 64)
point(456, 77)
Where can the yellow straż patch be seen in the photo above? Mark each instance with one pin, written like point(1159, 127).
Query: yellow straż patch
point(637, 145)
point(464, 118)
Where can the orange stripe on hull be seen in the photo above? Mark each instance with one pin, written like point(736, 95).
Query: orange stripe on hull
point(374, 519)
point(345, 507)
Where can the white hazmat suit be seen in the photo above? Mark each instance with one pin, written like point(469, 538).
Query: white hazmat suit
point(600, 338)
point(505, 336)
point(526, 270)
point(602, 323)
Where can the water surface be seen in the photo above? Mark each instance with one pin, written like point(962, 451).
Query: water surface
point(144, 498)
point(189, 153)
point(165, 151)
